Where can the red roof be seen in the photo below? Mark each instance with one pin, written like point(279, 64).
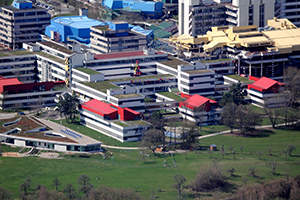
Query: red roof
point(121, 55)
point(8, 81)
point(98, 107)
point(132, 111)
point(197, 100)
point(265, 83)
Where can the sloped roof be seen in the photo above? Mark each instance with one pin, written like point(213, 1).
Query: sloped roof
point(197, 100)
point(8, 81)
point(98, 107)
point(165, 24)
point(265, 83)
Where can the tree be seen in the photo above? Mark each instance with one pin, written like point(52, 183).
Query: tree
point(189, 138)
point(231, 171)
point(56, 183)
point(246, 119)
point(270, 149)
point(272, 113)
point(179, 181)
point(5, 194)
point(273, 165)
point(229, 115)
point(259, 153)
point(158, 124)
point(68, 106)
point(252, 171)
point(152, 139)
point(290, 148)
point(291, 78)
point(235, 95)
point(242, 148)
point(25, 186)
point(84, 183)
point(69, 191)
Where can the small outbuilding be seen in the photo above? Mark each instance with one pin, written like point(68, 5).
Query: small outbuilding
point(213, 147)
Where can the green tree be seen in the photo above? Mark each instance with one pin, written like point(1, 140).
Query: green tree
point(68, 105)
point(229, 115)
point(152, 139)
point(235, 95)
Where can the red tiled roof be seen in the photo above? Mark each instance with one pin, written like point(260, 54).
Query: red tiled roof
point(98, 107)
point(197, 100)
point(121, 55)
point(8, 81)
point(265, 83)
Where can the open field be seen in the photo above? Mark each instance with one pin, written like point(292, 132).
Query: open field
point(126, 168)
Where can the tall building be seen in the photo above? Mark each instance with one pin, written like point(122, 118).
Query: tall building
point(198, 16)
point(22, 23)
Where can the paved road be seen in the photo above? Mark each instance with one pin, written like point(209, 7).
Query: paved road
point(7, 115)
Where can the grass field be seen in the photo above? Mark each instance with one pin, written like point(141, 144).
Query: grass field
point(126, 168)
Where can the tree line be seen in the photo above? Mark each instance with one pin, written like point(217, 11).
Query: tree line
point(85, 191)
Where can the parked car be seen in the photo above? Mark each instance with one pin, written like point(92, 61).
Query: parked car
point(21, 113)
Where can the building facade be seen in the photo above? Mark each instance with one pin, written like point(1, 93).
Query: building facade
point(119, 36)
point(22, 23)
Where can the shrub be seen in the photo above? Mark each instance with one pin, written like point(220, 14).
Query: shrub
point(209, 178)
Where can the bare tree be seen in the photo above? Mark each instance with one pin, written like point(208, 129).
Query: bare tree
point(56, 183)
point(259, 154)
point(270, 149)
point(290, 148)
point(25, 186)
point(70, 191)
point(84, 183)
point(273, 165)
point(152, 139)
point(292, 84)
point(231, 171)
point(272, 113)
point(285, 152)
point(242, 148)
point(230, 148)
point(179, 181)
point(252, 171)
point(229, 115)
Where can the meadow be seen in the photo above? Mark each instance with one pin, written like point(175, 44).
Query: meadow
point(126, 169)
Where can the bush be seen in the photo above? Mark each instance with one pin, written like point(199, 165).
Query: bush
point(209, 178)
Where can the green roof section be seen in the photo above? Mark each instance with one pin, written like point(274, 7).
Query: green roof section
point(15, 53)
point(219, 60)
point(128, 9)
point(59, 60)
point(142, 78)
point(87, 70)
point(172, 96)
point(174, 62)
point(165, 25)
point(137, 122)
point(240, 78)
point(102, 86)
point(123, 96)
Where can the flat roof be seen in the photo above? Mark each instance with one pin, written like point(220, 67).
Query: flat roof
point(101, 85)
point(57, 47)
point(173, 62)
point(198, 71)
point(123, 96)
point(13, 9)
point(87, 70)
point(77, 21)
point(121, 55)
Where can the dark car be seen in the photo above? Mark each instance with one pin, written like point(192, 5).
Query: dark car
point(21, 113)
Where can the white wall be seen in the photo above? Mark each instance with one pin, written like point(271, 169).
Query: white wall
point(60, 147)
point(20, 143)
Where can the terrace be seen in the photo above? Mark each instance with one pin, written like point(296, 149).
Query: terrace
point(142, 78)
point(25, 124)
point(59, 60)
point(198, 71)
point(219, 60)
point(57, 47)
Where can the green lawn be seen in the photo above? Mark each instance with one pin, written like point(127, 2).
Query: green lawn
point(96, 135)
point(126, 169)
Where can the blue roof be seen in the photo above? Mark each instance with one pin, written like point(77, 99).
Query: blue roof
point(77, 21)
point(141, 30)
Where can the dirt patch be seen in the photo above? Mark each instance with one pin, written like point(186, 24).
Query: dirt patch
point(49, 155)
point(10, 154)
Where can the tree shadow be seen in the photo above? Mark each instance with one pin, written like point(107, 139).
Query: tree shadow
point(259, 133)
